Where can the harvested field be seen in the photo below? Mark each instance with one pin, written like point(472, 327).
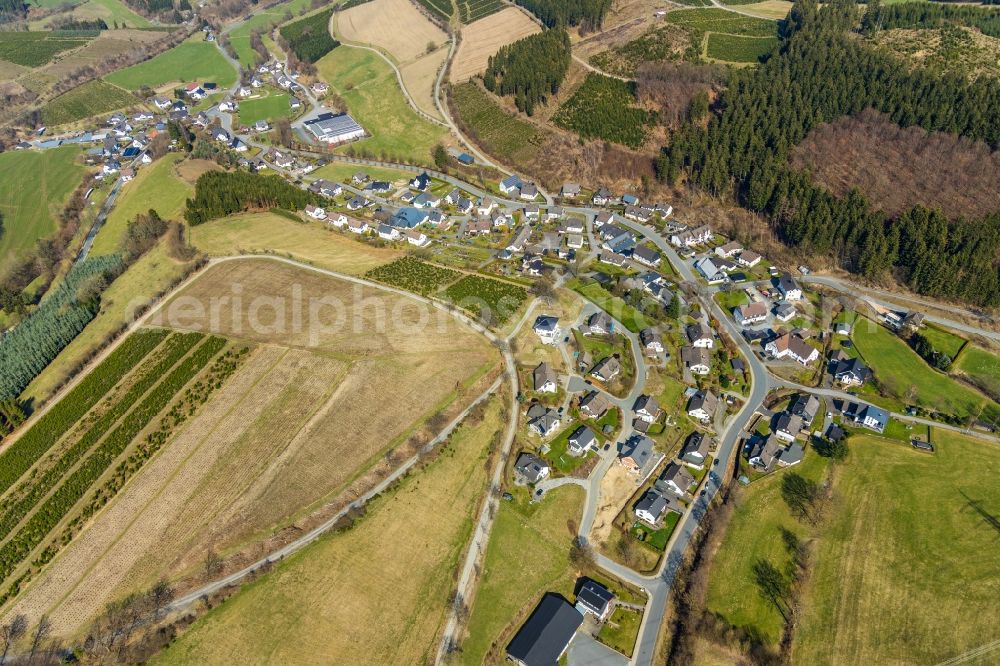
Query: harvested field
point(259, 232)
point(898, 168)
point(191, 170)
point(392, 573)
point(484, 38)
point(394, 26)
point(302, 418)
point(419, 77)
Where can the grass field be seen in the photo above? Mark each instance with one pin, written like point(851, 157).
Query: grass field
point(91, 99)
point(982, 366)
point(259, 232)
point(268, 108)
point(512, 585)
point(296, 426)
point(33, 49)
point(483, 39)
point(393, 599)
point(911, 540)
point(340, 172)
point(904, 375)
point(191, 60)
point(944, 341)
point(33, 191)
point(738, 48)
point(112, 12)
point(239, 37)
point(754, 533)
point(155, 187)
point(500, 132)
point(631, 318)
point(369, 88)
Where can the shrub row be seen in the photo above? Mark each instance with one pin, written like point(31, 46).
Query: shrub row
point(73, 488)
point(52, 425)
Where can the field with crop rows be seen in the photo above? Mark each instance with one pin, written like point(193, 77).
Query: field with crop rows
point(473, 10)
point(30, 512)
point(93, 98)
point(712, 19)
point(442, 8)
point(738, 48)
point(500, 132)
point(34, 49)
point(413, 275)
point(492, 301)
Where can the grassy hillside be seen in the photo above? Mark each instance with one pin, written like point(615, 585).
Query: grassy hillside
point(355, 597)
point(911, 540)
point(156, 187)
point(34, 188)
point(191, 60)
point(239, 37)
point(369, 87)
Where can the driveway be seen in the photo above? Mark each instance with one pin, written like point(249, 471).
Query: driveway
point(588, 651)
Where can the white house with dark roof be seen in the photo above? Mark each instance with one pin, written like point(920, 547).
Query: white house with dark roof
point(544, 379)
point(581, 440)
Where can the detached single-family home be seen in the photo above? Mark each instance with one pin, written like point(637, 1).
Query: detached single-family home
point(519, 241)
point(700, 335)
point(426, 200)
point(532, 212)
point(694, 453)
point(702, 405)
point(676, 479)
point(805, 405)
point(542, 420)
point(763, 452)
point(793, 347)
point(261, 126)
point(851, 372)
point(544, 378)
point(696, 359)
point(127, 174)
point(510, 184)
point(650, 341)
point(574, 241)
point(789, 288)
point(599, 323)
point(729, 249)
point(485, 207)
point(320, 87)
point(613, 258)
point(220, 134)
point(408, 218)
point(602, 197)
point(528, 191)
point(594, 405)
point(327, 188)
point(421, 182)
point(595, 599)
point(417, 238)
point(752, 313)
point(638, 213)
point(787, 426)
point(784, 312)
point(359, 178)
point(161, 103)
point(547, 328)
point(315, 212)
point(647, 257)
point(646, 408)
point(603, 218)
point(581, 440)
point(690, 237)
point(338, 220)
point(636, 453)
point(569, 191)
point(748, 259)
point(357, 226)
point(531, 468)
point(358, 202)
point(630, 200)
point(873, 418)
point(651, 507)
point(543, 639)
point(607, 369)
point(385, 232)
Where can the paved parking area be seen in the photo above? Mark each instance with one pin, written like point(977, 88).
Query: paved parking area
point(587, 651)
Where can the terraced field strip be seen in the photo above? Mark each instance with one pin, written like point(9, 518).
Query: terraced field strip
point(17, 458)
point(56, 507)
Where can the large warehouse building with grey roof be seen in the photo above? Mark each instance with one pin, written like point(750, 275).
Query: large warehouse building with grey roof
point(334, 127)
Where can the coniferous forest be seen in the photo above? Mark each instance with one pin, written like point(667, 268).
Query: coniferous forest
point(823, 72)
point(530, 69)
point(586, 13)
point(220, 193)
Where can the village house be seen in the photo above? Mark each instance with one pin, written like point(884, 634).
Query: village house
point(650, 341)
point(357, 226)
point(651, 507)
point(752, 313)
point(702, 405)
point(599, 323)
point(850, 372)
point(511, 184)
point(543, 379)
point(793, 347)
point(789, 288)
point(595, 599)
point(607, 369)
point(805, 405)
point(729, 249)
point(696, 359)
point(787, 426)
point(763, 452)
point(700, 335)
point(315, 212)
point(646, 408)
point(531, 468)
point(748, 259)
point(636, 453)
point(528, 191)
point(603, 197)
point(319, 87)
point(478, 227)
point(676, 479)
point(542, 420)
point(784, 312)
point(338, 220)
point(569, 191)
point(694, 453)
point(544, 637)
point(614, 259)
point(326, 188)
point(646, 256)
point(547, 328)
point(385, 232)
point(581, 440)
point(603, 218)
point(594, 405)
point(691, 237)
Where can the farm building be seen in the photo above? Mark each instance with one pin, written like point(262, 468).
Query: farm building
point(334, 128)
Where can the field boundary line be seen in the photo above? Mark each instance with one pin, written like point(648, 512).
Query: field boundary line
point(971, 654)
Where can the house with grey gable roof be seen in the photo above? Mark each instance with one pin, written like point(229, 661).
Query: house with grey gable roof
point(607, 369)
point(544, 379)
point(700, 335)
point(805, 405)
point(651, 341)
point(594, 405)
point(763, 452)
point(694, 453)
point(543, 422)
point(599, 323)
point(651, 507)
point(675, 479)
point(636, 453)
point(646, 408)
point(702, 405)
point(787, 426)
point(581, 440)
point(645, 256)
point(531, 468)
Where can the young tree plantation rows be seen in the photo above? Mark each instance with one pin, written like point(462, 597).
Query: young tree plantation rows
point(219, 193)
point(491, 301)
point(413, 275)
point(309, 38)
point(823, 73)
point(20, 503)
point(30, 346)
point(602, 108)
point(586, 13)
point(530, 69)
point(56, 507)
point(22, 454)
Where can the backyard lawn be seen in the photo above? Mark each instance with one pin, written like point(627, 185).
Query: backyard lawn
point(621, 630)
point(630, 318)
point(911, 539)
point(982, 366)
